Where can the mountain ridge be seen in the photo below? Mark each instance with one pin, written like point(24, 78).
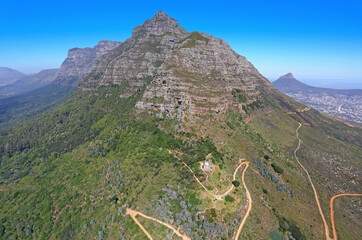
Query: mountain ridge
point(8, 76)
point(287, 84)
point(343, 103)
point(134, 135)
point(78, 63)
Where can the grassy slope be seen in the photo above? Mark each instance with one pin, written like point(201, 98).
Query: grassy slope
point(328, 160)
point(84, 179)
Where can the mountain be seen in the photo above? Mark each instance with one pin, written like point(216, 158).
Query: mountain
point(28, 83)
point(128, 154)
point(51, 86)
point(8, 76)
point(80, 61)
point(343, 103)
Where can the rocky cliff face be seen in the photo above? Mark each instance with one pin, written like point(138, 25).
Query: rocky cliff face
point(80, 61)
point(187, 74)
point(138, 59)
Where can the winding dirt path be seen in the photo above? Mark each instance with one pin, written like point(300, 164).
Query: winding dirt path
point(326, 227)
point(227, 140)
point(250, 201)
point(220, 196)
point(332, 210)
point(133, 215)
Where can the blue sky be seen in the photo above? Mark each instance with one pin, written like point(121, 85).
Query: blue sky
point(319, 41)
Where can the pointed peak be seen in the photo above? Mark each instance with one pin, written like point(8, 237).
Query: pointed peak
point(160, 15)
point(288, 76)
point(160, 24)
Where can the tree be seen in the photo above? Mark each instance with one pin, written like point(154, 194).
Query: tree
point(236, 183)
point(114, 199)
point(229, 198)
point(277, 168)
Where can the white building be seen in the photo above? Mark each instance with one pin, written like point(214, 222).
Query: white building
point(206, 166)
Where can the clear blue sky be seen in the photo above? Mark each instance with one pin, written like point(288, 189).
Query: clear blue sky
point(313, 39)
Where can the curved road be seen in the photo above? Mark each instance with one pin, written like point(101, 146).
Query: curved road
point(249, 200)
point(332, 210)
point(134, 213)
point(220, 196)
point(326, 228)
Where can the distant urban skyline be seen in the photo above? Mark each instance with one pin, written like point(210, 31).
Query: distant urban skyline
point(319, 41)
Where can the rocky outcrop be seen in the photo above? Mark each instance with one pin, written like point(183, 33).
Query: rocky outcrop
point(186, 75)
point(198, 79)
point(138, 58)
point(80, 61)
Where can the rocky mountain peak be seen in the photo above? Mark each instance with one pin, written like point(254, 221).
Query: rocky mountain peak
point(160, 24)
point(162, 15)
point(185, 75)
point(288, 76)
point(80, 61)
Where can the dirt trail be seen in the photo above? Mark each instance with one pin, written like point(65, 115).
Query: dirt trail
point(220, 196)
point(249, 200)
point(134, 213)
point(332, 210)
point(326, 228)
point(227, 140)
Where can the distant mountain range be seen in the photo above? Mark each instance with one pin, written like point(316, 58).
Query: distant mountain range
point(28, 82)
point(27, 95)
point(343, 103)
point(9, 76)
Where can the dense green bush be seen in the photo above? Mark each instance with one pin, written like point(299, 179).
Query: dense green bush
point(229, 198)
point(277, 168)
point(236, 183)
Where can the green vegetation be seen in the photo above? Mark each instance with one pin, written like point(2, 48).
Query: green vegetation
point(21, 107)
point(72, 173)
point(236, 183)
point(229, 198)
point(290, 226)
point(237, 93)
point(276, 168)
point(192, 38)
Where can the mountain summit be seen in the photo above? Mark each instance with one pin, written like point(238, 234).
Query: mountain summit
point(185, 74)
point(343, 103)
point(160, 24)
point(173, 135)
point(288, 76)
point(288, 83)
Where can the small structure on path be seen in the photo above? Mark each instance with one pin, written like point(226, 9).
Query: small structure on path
point(206, 166)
